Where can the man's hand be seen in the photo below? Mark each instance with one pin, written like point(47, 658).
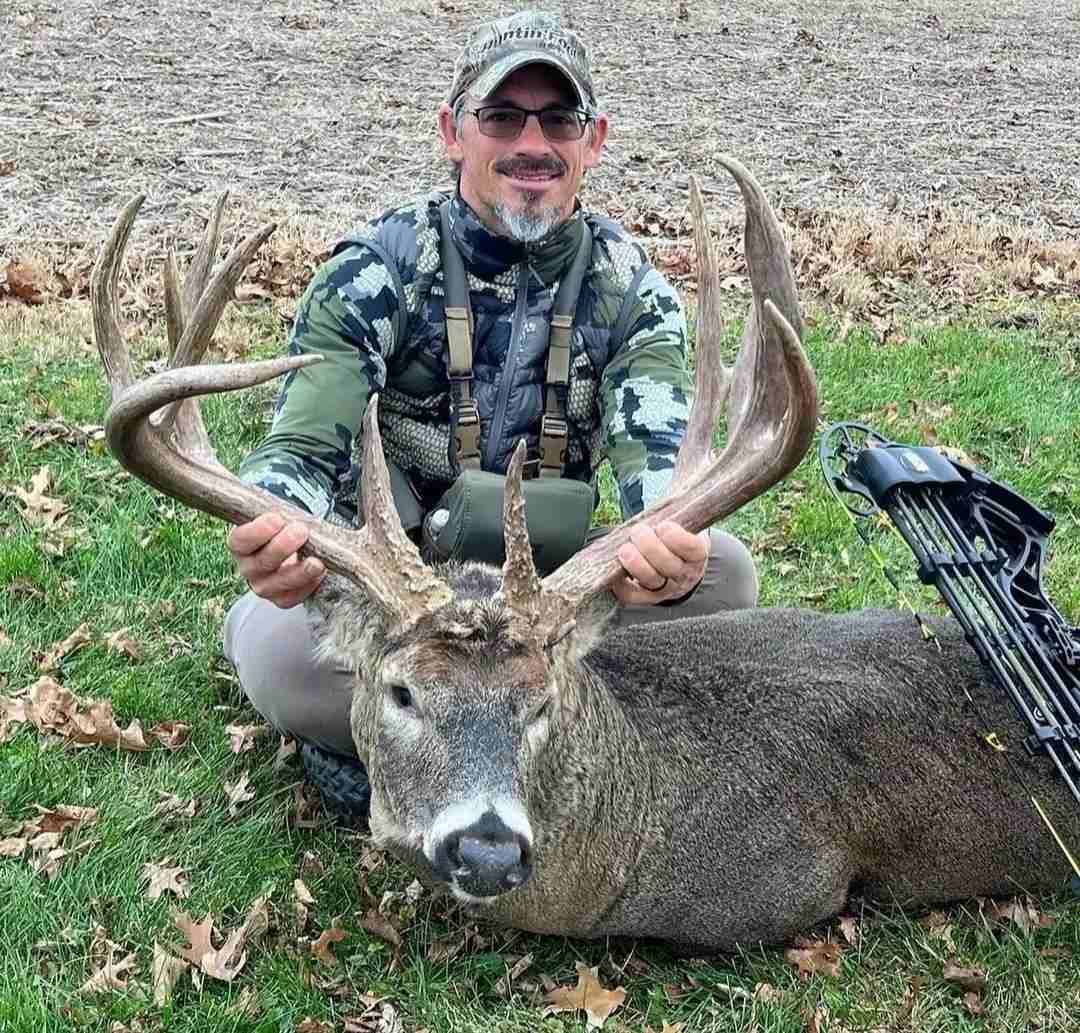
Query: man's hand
point(265, 553)
point(662, 564)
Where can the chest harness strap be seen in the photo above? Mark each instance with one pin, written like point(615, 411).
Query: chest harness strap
point(460, 328)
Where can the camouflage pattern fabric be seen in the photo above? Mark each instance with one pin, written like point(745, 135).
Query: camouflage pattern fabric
point(375, 312)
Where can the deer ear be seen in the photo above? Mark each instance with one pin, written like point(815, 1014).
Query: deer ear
point(592, 623)
point(344, 623)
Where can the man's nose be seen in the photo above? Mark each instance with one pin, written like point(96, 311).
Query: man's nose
point(531, 138)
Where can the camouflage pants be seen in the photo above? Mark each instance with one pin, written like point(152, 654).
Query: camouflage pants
point(271, 648)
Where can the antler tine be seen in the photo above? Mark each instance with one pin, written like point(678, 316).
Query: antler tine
point(400, 580)
point(712, 380)
point(199, 270)
point(148, 452)
point(103, 280)
point(769, 432)
point(520, 584)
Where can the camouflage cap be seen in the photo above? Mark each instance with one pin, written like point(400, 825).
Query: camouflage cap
point(530, 37)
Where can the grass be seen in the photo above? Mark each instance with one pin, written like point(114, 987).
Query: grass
point(141, 562)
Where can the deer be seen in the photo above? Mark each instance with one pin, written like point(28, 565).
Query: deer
point(708, 782)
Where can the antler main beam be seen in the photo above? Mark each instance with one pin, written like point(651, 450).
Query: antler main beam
point(175, 456)
point(772, 406)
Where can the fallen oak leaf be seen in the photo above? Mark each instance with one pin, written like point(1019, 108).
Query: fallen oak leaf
point(970, 979)
point(164, 878)
point(588, 996)
point(381, 926)
point(113, 975)
point(39, 509)
point(301, 892)
point(320, 948)
point(121, 641)
point(61, 818)
point(166, 971)
point(242, 737)
point(223, 963)
point(60, 651)
point(1022, 913)
point(170, 805)
point(238, 792)
point(13, 846)
point(811, 957)
point(12, 712)
point(172, 734)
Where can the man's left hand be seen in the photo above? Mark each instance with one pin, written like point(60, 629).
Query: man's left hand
point(665, 563)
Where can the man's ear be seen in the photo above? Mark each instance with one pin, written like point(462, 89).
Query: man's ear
point(448, 132)
point(595, 137)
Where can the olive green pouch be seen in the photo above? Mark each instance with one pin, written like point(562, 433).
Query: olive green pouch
point(467, 522)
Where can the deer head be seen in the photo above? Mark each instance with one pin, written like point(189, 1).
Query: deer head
point(466, 675)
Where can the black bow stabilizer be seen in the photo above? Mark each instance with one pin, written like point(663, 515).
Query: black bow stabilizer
point(982, 546)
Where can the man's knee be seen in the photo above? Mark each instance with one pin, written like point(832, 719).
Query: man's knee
point(730, 581)
point(272, 651)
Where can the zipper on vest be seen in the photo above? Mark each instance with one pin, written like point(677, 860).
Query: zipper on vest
point(517, 326)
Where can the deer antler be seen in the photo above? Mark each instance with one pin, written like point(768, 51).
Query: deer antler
point(173, 452)
point(772, 409)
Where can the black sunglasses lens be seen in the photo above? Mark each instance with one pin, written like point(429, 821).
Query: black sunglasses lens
point(559, 124)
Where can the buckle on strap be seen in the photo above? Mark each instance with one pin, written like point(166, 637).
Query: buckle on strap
point(553, 435)
point(467, 432)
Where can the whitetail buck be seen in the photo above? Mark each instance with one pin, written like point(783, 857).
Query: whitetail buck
point(709, 782)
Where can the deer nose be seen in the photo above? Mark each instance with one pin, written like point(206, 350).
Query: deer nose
point(484, 859)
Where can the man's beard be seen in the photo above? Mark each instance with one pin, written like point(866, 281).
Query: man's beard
point(529, 225)
point(533, 222)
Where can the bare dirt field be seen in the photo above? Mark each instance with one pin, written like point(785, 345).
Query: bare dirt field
point(903, 114)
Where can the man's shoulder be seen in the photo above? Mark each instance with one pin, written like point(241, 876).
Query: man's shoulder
point(617, 256)
point(400, 232)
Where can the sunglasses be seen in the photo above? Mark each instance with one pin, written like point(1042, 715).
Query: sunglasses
point(506, 121)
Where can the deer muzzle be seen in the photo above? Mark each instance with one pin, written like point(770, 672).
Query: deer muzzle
point(484, 859)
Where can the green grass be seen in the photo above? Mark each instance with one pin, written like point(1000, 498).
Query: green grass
point(141, 562)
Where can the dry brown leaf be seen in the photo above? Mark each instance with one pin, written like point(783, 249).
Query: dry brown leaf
point(13, 846)
point(816, 1021)
point(166, 971)
point(320, 948)
point(1021, 912)
point(246, 1004)
point(505, 985)
point(307, 807)
point(301, 892)
point(164, 878)
point(769, 993)
point(113, 975)
point(970, 979)
point(238, 792)
point(27, 281)
point(223, 963)
point(242, 737)
point(171, 734)
point(849, 928)
point(52, 708)
point(285, 752)
point(937, 924)
point(12, 712)
point(171, 806)
point(973, 1004)
point(121, 641)
point(39, 509)
point(310, 1025)
point(62, 818)
point(587, 996)
point(381, 926)
point(813, 957)
point(60, 651)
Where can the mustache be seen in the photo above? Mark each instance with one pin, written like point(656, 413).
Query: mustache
point(531, 167)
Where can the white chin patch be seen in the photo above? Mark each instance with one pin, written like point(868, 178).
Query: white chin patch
point(459, 816)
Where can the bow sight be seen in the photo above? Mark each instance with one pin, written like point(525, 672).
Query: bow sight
point(982, 546)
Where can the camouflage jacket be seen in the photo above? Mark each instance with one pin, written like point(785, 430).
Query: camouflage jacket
point(375, 311)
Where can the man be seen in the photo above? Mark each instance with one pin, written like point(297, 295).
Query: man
point(522, 128)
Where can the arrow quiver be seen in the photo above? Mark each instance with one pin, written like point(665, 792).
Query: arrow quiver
point(982, 546)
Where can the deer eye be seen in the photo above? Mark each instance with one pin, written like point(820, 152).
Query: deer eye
point(401, 696)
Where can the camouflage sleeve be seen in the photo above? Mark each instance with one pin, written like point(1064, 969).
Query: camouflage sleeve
point(645, 396)
point(347, 316)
